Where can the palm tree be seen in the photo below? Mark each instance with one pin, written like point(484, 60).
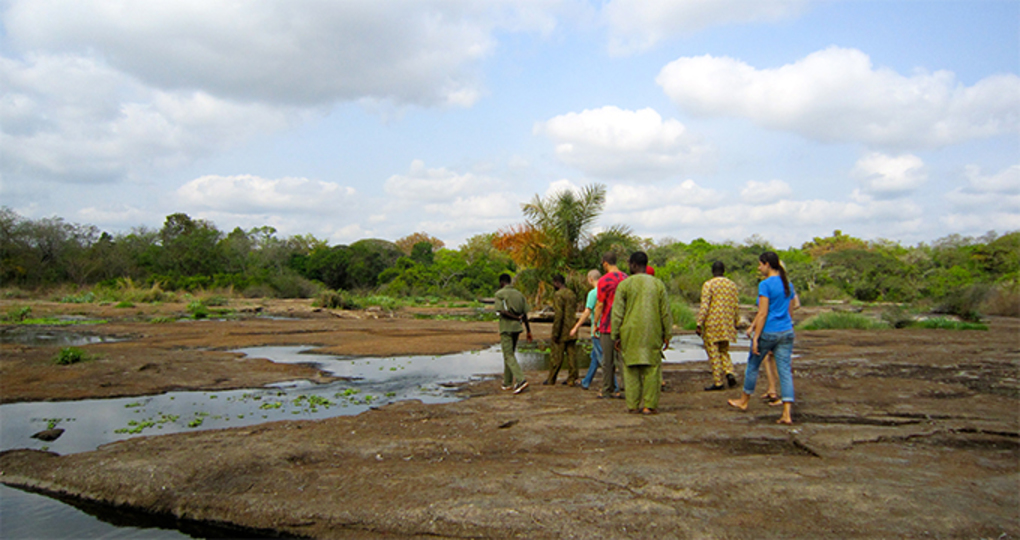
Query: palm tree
point(566, 218)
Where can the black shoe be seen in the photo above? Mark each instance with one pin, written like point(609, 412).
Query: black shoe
point(714, 387)
point(731, 380)
point(520, 387)
point(547, 382)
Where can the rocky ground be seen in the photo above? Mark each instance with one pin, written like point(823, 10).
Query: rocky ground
point(898, 433)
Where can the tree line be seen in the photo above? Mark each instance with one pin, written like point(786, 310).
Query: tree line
point(961, 275)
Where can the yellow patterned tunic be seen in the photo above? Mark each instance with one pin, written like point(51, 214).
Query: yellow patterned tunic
point(719, 312)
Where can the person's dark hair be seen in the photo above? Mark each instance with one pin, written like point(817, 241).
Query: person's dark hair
point(505, 279)
point(609, 258)
point(718, 268)
point(558, 278)
point(639, 258)
point(772, 259)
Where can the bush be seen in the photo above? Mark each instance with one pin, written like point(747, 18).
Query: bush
point(898, 317)
point(1002, 301)
point(683, 316)
point(71, 355)
point(198, 310)
point(18, 313)
point(964, 303)
point(333, 300)
point(291, 285)
point(216, 300)
point(83, 298)
point(124, 304)
point(841, 320)
point(942, 323)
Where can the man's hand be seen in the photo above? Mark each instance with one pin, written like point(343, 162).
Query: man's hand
point(616, 345)
point(697, 330)
point(529, 337)
point(573, 332)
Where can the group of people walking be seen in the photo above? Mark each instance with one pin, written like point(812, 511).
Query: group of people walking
point(631, 325)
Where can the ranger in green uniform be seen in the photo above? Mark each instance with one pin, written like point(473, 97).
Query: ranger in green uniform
point(641, 330)
point(512, 308)
point(564, 344)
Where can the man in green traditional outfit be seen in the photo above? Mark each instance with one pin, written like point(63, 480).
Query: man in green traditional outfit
point(564, 344)
point(512, 308)
point(641, 329)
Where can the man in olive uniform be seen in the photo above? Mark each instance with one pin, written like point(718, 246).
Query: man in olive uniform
point(641, 329)
point(512, 308)
point(563, 342)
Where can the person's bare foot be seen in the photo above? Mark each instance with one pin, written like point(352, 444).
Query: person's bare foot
point(738, 404)
point(784, 420)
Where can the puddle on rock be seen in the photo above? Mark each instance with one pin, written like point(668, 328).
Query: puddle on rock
point(44, 337)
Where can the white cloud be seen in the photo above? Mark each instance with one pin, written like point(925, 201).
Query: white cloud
point(837, 95)
point(71, 119)
point(884, 176)
point(765, 192)
point(440, 184)
point(247, 194)
point(629, 197)
point(637, 25)
point(1006, 181)
point(615, 143)
point(986, 196)
point(421, 52)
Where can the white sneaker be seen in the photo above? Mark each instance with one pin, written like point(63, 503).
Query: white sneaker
point(520, 387)
point(511, 387)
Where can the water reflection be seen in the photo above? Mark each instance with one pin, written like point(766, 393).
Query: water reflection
point(367, 382)
point(44, 337)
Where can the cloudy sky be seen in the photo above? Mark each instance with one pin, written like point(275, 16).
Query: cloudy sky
point(719, 119)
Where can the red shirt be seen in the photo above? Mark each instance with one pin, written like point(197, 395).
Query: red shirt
point(607, 293)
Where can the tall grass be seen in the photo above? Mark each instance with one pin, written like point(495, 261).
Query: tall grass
point(942, 323)
point(841, 320)
point(683, 315)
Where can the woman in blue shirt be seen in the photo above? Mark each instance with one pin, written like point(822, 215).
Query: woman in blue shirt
point(771, 331)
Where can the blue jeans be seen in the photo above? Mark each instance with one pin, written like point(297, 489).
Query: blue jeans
point(781, 346)
point(596, 359)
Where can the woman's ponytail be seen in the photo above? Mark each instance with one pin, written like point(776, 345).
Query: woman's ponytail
point(772, 259)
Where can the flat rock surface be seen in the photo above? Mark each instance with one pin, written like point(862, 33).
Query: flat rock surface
point(898, 433)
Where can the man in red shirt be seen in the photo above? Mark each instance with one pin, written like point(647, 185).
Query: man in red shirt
point(603, 313)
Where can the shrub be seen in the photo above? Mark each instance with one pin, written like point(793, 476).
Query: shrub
point(942, 323)
point(71, 355)
point(198, 310)
point(333, 300)
point(216, 300)
point(898, 316)
point(841, 320)
point(18, 313)
point(964, 302)
point(683, 316)
point(1002, 301)
point(83, 298)
point(124, 304)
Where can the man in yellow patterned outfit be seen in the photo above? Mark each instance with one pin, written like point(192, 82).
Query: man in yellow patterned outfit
point(717, 325)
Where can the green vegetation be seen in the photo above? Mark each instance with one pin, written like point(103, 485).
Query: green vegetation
point(841, 320)
point(942, 323)
point(17, 314)
point(190, 260)
point(72, 355)
point(683, 316)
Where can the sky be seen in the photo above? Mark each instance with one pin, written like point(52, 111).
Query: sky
point(717, 119)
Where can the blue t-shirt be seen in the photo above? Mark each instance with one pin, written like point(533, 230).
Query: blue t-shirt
point(779, 304)
point(590, 302)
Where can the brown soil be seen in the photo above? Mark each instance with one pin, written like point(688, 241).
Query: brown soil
point(898, 433)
